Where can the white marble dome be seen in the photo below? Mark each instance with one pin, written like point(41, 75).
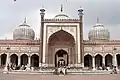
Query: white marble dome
point(61, 16)
point(23, 32)
point(99, 32)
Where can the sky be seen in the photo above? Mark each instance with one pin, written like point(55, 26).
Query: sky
point(12, 14)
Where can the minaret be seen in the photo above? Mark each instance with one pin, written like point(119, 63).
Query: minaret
point(42, 13)
point(80, 13)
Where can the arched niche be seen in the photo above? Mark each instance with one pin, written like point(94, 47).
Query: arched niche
point(61, 40)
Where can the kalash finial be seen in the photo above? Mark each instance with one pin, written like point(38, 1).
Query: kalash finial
point(97, 19)
point(61, 8)
point(25, 21)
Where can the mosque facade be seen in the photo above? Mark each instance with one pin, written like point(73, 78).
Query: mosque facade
point(61, 43)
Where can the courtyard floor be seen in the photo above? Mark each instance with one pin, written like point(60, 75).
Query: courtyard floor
point(56, 77)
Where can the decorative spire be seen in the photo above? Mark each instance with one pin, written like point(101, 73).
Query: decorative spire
point(61, 8)
point(42, 6)
point(97, 20)
point(25, 21)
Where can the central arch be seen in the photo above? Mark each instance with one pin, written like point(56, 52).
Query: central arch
point(61, 58)
point(61, 40)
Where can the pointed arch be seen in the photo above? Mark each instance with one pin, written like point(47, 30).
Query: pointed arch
point(13, 53)
point(3, 59)
point(118, 60)
point(108, 54)
point(35, 60)
point(24, 59)
point(88, 60)
point(61, 55)
point(98, 54)
point(61, 36)
point(108, 60)
point(98, 60)
point(14, 59)
point(88, 54)
point(61, 40)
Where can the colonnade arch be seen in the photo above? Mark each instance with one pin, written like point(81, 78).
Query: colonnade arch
point(14, 59)
point(88, 60)
point(24, 59)
point(108, 60)
point(98, 60)
point(118, 60)
point(35, 60)
point(3, 59)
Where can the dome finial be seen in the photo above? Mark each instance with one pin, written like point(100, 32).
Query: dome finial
point(42, 6)
point(25, 21)
point(97, 19)
point(61, 8)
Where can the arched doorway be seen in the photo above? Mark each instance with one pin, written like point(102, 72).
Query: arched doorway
point(14, 59)
point(35, 60)
point(108, 60)
point(3, 59)
point(61, 40)
point(61, 58)
point(118, 60)
point(98, 60)
point(24, 59)
point(88, 61)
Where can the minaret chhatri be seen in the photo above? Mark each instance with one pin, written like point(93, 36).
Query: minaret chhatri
point(80, 13)
point(42, 13)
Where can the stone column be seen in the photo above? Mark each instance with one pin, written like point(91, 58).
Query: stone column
point(114, 60)
point(7, 60)
point(7, 63)
point(28, 65)
point(29, 61)
point(0, 60)
point(93, 62)
point(19, 61)
point(103, 60)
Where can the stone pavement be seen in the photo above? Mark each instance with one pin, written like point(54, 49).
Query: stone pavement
point(56, 77)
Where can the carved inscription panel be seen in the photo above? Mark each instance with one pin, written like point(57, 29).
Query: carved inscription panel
point(25, 48)
point(97, 48)
point(87, 48)
point(34, 48)
point(106, 49)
